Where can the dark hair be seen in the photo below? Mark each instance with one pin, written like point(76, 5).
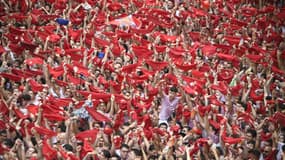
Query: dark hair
point(68, 147)
point(255, 152)
point(139, 73)
point(151, 147)
point(251, 142)
point(270, 141)
point(173, 89)
point(106, 153)
point(125, 146)
point(62, 127)
point(137, 152)
point(26, 97)
point(116, 156)
point(153, 157)
point(163, 123)
point(252, 132)
point(9, 143)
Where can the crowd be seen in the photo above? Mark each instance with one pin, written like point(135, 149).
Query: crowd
point(142, 79)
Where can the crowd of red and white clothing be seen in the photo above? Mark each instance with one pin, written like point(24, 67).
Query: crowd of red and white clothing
point(142, 79)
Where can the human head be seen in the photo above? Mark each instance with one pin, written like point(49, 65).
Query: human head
point(124, 151)
point(135, 154)
point(172, 92)
point(163, 126)
point(104, 154)
point(253, 154)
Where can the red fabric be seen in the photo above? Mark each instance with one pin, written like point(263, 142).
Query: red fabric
point(44, 131)
point(74, 80)
point(35, 86)
point(19, 114)
point(87, 134)
point(97, 116)
point(130, 68)
point(156, 65)
point(33, 109)
point(11, 77)
point(3, 107)
point(231, 140)
point(104, 96)
point(48, 152)
point(54, 117)
point(280, 117)
point(108, 130)
point(142, 52)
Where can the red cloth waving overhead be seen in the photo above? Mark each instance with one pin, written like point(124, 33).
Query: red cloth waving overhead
point(97, 115)
point(48, 152)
